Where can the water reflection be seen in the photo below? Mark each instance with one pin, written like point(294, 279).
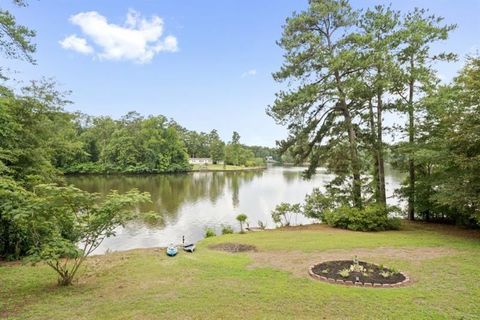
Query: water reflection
point(187, 203)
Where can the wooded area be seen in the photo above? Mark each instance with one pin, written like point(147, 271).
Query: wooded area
point(346, 70)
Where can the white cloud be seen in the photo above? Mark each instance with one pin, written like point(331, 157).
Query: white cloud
point(75, 43)
point(251, 73)
point(139, 39)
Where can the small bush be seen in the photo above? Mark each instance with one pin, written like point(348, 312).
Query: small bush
point(282, 214)
point(227, 229)
point(262, 225)
point(371, 218)
point(210, 232)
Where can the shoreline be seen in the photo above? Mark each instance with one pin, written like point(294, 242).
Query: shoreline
point(227, 169)
point(162, 173)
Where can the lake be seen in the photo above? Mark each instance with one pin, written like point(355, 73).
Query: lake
point(188, 203)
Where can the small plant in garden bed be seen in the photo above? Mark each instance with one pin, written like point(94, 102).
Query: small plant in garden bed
point(386, 274)
point(344, 273)
point(357, 267)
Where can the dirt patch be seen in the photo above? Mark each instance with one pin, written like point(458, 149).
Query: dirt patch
point(233, 247)
point(446, 229)
point(298, 262)
point(451, 230)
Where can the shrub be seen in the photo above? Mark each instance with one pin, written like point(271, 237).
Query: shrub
point(59, 218)
point(371, 218)
point(284, 211)
point(209, 232)
point(316, 204)
point(262, 225)
point(227, 229)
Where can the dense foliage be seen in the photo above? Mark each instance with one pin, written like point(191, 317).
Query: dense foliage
point(447, 185)
point(344, 69)
point(373, 217)
point(209, 145)
point(133, 144)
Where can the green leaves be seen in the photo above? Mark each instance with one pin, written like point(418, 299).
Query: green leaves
point(132, 145)
point(67, 224)
point(282, 214)
point(15, 40)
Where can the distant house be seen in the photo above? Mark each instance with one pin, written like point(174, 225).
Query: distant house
point(200, 161)
point(269, 159)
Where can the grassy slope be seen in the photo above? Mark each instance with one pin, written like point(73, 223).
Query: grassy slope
point(145, 284)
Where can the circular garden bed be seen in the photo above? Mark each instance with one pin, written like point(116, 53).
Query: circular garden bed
point(354, 272)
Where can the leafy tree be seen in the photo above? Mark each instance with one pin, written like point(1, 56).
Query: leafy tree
point(67, 224)
point(417, 77)
point(242, 218)
point(133, 144)
point(15, 39)
point(283, 213)
point(323, 60)
point(233, 151)
point(14, 237)
point(38, 134)
point(447, 151)
point(35, 136)
point(380, 30)
point(197, 144)
point(216, 147)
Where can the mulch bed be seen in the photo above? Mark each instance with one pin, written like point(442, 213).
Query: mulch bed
point(233, 247)
point(372, 276)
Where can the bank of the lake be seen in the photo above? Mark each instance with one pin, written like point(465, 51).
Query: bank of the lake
point(221, 168)
point(272, 283)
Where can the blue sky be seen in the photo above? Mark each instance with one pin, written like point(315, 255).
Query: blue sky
point(214, 71)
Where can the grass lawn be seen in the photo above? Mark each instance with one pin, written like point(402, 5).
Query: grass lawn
point(272, 283)
point(221, 167)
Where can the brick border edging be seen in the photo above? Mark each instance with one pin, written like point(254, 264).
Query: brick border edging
point(358, 284)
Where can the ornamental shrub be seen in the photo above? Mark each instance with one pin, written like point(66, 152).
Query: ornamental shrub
point(373, 217)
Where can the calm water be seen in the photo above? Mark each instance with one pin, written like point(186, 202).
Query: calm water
point(188, 203)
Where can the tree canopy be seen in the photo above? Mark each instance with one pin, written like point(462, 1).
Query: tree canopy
point(344, 68)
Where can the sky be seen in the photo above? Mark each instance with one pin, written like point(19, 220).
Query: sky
point(205, 63)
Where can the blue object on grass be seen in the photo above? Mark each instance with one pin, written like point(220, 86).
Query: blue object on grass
point(171, 251)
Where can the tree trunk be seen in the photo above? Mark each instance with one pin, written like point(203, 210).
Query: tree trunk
point(381, 162)
point(352, 138)
point(376, 170)
point(411, 140)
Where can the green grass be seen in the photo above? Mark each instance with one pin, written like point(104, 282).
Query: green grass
point(145, 284)
point(221, 167)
